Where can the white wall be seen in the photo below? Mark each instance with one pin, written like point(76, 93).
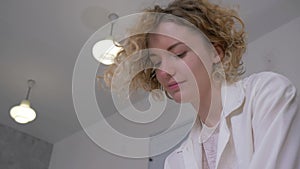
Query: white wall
point(277, 51)
point(79, 152)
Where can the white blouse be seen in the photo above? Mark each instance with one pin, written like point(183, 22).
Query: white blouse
point(259, 128)
point(209, 143)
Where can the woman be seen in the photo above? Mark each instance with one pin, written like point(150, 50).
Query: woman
point(242, 123)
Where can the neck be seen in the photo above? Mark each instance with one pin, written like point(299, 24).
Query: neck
point(210, 105)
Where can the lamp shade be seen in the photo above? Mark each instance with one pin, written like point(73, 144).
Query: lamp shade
point(23, 113)
point(105, 51)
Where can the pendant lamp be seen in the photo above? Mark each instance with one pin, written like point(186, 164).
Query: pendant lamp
point(106, 50)
point(23, 113)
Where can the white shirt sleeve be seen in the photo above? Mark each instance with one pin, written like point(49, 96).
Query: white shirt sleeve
point(276, 124)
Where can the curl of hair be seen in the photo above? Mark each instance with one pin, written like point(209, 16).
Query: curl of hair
point(222, 26)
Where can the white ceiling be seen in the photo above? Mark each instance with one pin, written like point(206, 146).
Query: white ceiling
point(41, 39)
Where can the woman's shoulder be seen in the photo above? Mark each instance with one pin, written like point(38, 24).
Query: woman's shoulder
point(268, 80)
point(266, 76)
point(269, 83)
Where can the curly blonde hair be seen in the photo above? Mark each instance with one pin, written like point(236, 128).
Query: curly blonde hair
point(222, 27)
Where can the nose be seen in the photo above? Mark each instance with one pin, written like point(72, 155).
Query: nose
point(160, 74)
point(166, 69)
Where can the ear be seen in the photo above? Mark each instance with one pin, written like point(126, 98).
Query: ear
point(220, 54)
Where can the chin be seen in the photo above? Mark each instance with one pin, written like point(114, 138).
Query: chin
point(179, 99)
point(183, 97)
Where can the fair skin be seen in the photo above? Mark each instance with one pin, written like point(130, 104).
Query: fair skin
point(181, 72)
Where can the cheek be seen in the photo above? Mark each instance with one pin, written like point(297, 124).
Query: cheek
point(198, 72)
point(197, 65)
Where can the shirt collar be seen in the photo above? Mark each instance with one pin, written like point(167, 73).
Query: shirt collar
point(233, 96)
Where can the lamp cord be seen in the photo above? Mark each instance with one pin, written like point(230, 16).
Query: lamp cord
point(30, 85)
point(112, 17)
point(28, 92)
point(111, 28)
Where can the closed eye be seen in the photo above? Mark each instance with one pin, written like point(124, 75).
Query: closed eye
point(181, 55)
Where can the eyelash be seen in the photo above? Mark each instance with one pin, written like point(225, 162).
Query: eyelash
point(181, 55)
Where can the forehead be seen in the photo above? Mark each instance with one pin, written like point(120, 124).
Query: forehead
point(161, 41)
point(168, 33)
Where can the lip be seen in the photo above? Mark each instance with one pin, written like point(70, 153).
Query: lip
point(173, 86)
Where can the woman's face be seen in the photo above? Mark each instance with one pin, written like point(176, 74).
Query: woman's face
point(180, 70)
